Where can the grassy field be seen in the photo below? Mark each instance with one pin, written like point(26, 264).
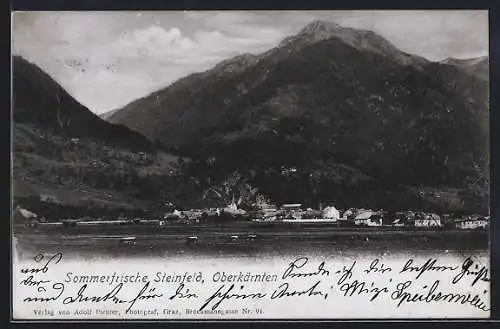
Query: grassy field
point(220, 240)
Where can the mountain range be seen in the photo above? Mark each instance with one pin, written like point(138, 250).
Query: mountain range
point(328, 115)
point(331, 115)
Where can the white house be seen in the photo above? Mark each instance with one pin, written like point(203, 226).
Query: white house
point(431, 220)
point(427, 223)
point(331, 213)
point(22, 215)
point(472, 223)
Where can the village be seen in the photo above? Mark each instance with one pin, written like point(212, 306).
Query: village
point(293, 214)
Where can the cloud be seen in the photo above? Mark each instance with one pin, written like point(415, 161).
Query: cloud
point(143, 60)
point(157, 42)
point(154, 41)
point(108, 59)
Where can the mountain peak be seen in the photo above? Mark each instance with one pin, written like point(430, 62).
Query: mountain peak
point(320, 30)
point(313, 32)
point(319, 26)
point(362, 40)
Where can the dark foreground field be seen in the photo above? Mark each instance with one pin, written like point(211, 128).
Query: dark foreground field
point(243, 241)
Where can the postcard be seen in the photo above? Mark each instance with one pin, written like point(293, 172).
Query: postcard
point(250, 165)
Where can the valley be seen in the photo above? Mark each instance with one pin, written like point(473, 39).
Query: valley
point(331, 115)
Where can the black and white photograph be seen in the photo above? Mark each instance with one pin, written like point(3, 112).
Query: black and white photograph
point(250, 164)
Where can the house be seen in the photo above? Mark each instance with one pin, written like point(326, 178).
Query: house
point(175, 215)
point(26, 217)
point(22, 215)
point(291, 211)
point(349, 213)
point(427, 220)
point(368, 218)
point(472, 223)
point(331, 213)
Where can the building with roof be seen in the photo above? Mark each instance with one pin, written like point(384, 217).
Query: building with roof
point(368, 218)
point(472, 223)
point(428, 220)
point(331, 213)
point(291, 211)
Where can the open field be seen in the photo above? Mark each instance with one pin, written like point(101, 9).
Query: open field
point(240, 240)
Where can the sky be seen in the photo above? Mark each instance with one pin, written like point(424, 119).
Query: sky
point(108, 59)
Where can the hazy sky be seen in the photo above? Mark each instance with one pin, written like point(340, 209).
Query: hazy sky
point(108, 59)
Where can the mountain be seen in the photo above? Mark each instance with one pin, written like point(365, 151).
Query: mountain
point(106, 115)
point(39, 100)
point(69, 163)
point(478, 67)
point(160, 112)
point(331, 114)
